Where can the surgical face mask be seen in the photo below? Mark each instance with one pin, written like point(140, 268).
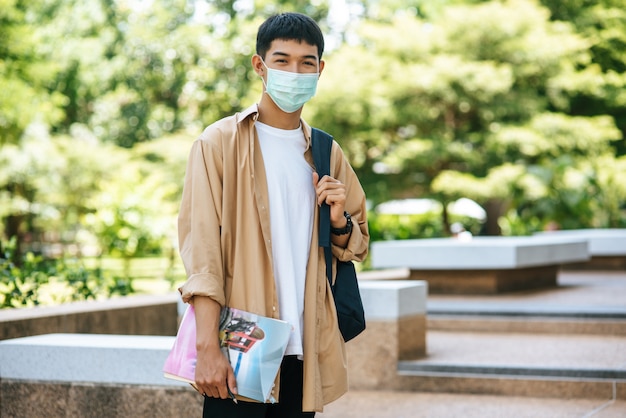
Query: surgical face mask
point(290, 91)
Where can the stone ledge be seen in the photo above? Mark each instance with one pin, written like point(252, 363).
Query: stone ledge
point(607, 247)
point(385, 274)
point(479, 253)
point(482, 265)
point(396, 330)
point(393, 299)
point(119, 359)
point(488, 282)
point(603, 242)
point(107, 371)
point(136, 315)
point(26, 399)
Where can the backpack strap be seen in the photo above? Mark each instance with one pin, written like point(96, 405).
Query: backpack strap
point(321, 146)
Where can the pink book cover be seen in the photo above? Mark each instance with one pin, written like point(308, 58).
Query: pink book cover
point(254, 345)
point(181, 361)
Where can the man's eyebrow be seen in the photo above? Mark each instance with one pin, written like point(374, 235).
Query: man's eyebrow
point(284, 54)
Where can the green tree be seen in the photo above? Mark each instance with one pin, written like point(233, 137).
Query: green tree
point(46, 183)
point(603, 24)
point(133, 73)
point(439, 104)
point(25, 74)
point(506, 102)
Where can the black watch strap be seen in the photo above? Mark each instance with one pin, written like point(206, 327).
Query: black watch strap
point(346, 229)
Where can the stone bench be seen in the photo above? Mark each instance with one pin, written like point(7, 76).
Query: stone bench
point(90, 375)
point(395, 313)
point(114, 359)
point(95, 375)
point(607, 247)
point(129, 315)
point(482, 265)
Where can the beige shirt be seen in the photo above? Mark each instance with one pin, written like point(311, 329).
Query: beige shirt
point(226, 245)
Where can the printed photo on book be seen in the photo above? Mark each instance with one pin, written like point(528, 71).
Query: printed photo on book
point(254, 344)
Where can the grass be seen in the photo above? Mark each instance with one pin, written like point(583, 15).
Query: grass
point(150, 275)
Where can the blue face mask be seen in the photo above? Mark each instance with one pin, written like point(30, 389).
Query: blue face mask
point(290, 91)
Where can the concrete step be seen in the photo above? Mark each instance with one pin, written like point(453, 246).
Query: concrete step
point(405, 404)
point(527, 318)
point(520, 364)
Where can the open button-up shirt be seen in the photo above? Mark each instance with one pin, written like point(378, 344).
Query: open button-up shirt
point(226, 244)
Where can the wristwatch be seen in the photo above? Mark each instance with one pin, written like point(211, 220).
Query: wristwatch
point(346, 229)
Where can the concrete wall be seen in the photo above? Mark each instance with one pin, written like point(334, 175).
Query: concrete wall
point(99, 375)
point(131, 315)
point(26, 399)
point(396, 330)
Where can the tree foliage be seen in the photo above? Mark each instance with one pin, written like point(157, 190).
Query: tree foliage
point(25, 72)
point(518, 104)
point(474, 92)
point(602, 89)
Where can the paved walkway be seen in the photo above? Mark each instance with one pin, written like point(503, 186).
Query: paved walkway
point(593, 290)
point(374, 404)
point(606, 289)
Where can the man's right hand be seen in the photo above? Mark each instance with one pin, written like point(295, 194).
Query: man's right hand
point(213, 370)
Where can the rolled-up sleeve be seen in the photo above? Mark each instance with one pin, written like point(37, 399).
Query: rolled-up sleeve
point(199, 222)
point(358, 244)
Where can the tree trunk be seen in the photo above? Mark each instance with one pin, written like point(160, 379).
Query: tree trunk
point(495, 209)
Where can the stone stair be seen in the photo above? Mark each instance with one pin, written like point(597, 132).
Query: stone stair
point(530, 345)
point(520, 364)
point(526, 318)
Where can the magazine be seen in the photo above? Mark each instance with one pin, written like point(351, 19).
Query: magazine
point(254, 344)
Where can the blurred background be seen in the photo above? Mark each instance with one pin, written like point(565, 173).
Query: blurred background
point(495, 117)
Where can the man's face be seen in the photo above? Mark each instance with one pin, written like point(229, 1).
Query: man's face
point(293, 56)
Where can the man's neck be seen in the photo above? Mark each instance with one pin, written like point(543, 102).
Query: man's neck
point(271, 115)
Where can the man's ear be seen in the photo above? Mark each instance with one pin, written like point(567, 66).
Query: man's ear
point(257, 65)
point(322, 63)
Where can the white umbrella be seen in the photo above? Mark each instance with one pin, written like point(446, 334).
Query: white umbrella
point(461, 207)
point(467, 207)
point(409, 207)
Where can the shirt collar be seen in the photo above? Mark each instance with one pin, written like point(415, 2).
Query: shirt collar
point(253, 111)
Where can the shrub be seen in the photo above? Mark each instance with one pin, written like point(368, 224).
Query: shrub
point(31, 280)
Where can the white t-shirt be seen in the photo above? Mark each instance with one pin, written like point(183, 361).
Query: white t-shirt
point(291, 200)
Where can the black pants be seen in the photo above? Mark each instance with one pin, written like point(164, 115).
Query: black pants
point(290, 405)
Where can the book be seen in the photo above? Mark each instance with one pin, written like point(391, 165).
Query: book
point(254, 344)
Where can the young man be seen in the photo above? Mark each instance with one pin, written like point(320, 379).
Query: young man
point(248, 228)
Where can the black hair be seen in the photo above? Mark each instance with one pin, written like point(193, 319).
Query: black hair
point(289, 26)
